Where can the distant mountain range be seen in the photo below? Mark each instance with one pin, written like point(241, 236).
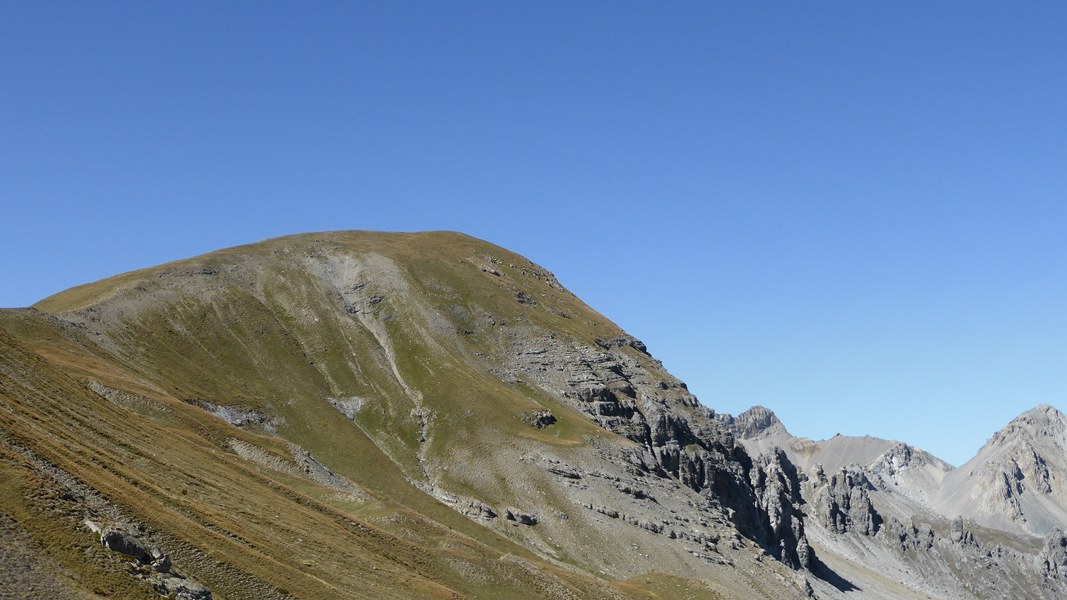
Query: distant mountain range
point(372, 415)
point(1002, 510)
point(1014, 483)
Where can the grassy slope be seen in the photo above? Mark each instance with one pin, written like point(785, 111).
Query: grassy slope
point(228, 522)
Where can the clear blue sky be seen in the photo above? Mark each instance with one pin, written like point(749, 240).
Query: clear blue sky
point(854, 213)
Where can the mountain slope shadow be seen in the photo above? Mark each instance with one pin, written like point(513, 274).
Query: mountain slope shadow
point(825, 573)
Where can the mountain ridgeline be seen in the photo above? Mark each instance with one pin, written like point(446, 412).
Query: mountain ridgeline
point(359, 414)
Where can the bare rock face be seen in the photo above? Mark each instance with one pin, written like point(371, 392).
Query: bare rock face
point(908, 472)
point(842, 502)
point(1053, 558)
point(778, 496)
point(898, 458)
point(680, 439)
point(961, 534)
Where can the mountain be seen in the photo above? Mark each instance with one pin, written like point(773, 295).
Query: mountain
point(908, 470)
point(363, 414)
point(898, 522)
point(1018, 480)
point(760, 430)
point(357, 414)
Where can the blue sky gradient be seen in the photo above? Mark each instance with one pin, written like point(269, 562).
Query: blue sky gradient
point(852, 213)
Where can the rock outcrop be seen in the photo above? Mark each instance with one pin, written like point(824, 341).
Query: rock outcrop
point(679, 438)
point(842, 503)
point(151, 564)
point(1053, 558)
point(539, 418)
point(522, 518)
point(778, 496)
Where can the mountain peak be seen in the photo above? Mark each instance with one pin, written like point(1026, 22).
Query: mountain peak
point(757, 421)
point(1041, 422)
point(1045, 411)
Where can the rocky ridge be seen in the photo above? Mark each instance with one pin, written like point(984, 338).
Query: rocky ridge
point(677, 439)
point(888, 514)
point(1018, 480)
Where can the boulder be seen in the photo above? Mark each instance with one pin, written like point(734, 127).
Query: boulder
point(118, 540)
point(522, 518)
point(539, 418)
